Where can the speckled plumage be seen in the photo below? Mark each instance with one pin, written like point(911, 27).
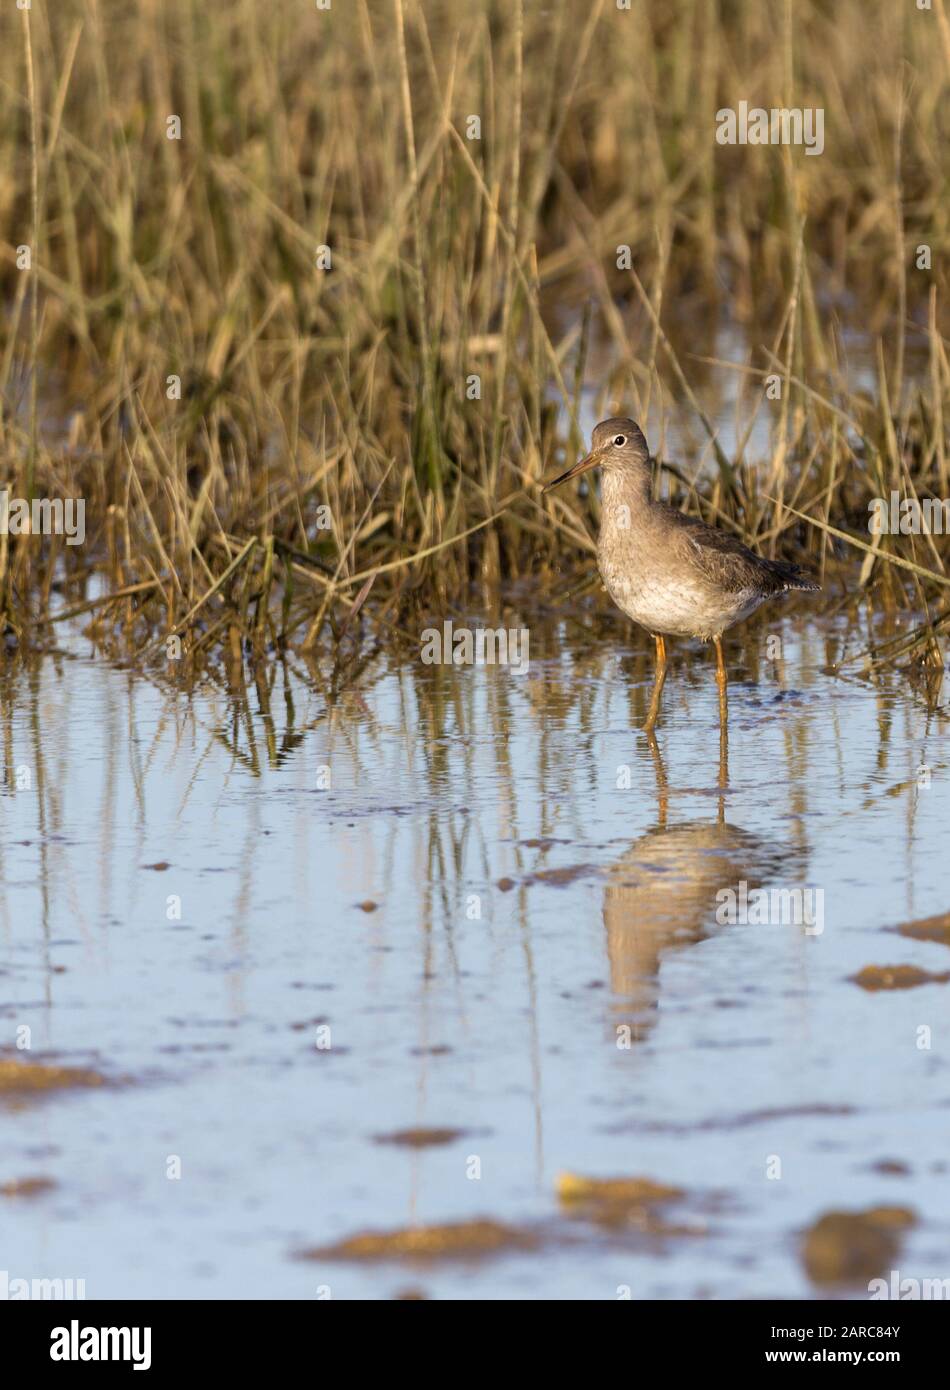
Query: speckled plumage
point(668, 572)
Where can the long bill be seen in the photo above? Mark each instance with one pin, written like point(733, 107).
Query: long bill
point(591, 461)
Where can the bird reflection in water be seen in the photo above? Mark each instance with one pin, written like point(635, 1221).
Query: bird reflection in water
point(661, 894)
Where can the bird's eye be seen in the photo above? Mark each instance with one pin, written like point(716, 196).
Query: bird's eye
point(620, 440)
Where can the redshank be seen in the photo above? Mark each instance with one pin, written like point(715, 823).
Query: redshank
point(670, 573)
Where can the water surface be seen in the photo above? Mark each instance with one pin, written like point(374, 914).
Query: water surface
point(496, 874)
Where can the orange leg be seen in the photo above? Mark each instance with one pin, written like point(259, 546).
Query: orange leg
point(722, 681)
point(658, 682)
point(720, 663)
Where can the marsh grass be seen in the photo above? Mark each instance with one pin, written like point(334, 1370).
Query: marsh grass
point(345, 388)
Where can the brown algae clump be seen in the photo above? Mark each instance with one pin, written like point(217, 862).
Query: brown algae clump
point(454, 1241)
point(26, 1187)
point(876, 977)
point(420, 1138)
point(31, 1078)
point(850, 1247)
point(928, 929)
point(627, 1202)
point(571, 1187)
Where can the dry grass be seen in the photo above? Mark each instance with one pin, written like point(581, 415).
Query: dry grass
point(345, 388)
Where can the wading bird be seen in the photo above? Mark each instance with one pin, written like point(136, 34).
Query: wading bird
point(670, 573)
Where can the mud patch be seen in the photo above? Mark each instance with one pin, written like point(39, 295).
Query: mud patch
point(928, 929)
point(421, 1138)
point(18, 1079)
point(851, 1247)
point(878, 977)
point(556, 878)
point(560, 878)
point(622, 1202)
point(26, 1187)
point(458, 1240)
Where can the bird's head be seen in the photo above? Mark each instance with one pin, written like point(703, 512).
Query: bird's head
point(617, 445)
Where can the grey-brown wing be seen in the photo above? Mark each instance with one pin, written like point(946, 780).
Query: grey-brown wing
point(725, 561)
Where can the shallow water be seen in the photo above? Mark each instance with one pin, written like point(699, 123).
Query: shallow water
point(720, 355)
point(454, 791)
